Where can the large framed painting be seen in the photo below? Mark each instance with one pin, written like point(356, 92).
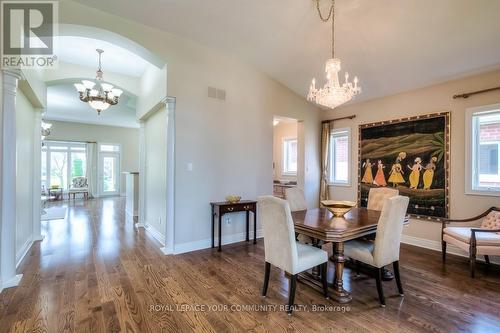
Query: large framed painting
point(411, 155)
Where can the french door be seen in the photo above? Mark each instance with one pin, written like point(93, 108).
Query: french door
point(109, 173)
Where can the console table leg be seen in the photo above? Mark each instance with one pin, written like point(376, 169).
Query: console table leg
point(248, 226)
point(213, 227)
point(220, 232)
point(255, 226)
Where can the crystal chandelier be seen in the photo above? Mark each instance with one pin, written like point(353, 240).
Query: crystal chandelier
point(101, 97)
point(332, 94)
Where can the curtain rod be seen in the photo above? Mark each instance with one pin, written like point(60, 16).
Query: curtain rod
point(466, 95)
point(330, 120)
point(70, 141)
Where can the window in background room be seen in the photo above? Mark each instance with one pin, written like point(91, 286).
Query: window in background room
point(339, 156)
point(290, 156)
point(61, 162)
point(484, 175)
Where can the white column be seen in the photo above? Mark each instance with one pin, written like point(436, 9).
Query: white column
point(170, 143)
point(8, 275)
point(37, 180)
point(142, 177)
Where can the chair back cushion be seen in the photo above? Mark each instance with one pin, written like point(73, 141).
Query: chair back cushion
point(389, 230)
point(79, 182)
point(279, 234)
point(491, 221)
point(296, 199)
point(377, 196)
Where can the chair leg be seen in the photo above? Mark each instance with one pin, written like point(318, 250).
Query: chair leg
point(324, 280)
point(378, 278)
point(266, 279)
point(487, 259)
point(395, 266)
point(291, 295)
point(443, 247)
point(358, 267)
point(472, 262)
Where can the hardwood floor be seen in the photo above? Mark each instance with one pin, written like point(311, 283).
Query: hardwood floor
point(94, 273)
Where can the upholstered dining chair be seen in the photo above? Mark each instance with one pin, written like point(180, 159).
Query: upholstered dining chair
point(377, 196)
point(282, 250)
point(297, 201)
point(385, 249)
point(483, 239)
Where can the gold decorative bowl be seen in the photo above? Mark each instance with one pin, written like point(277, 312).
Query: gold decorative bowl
point(338, 208)
point(233, 198)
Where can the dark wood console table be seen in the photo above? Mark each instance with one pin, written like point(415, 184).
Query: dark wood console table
point(221, 208)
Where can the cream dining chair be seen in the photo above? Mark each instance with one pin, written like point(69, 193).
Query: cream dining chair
point(282, 250)
point(297, 201)
point(385, 249)
point(377, 196)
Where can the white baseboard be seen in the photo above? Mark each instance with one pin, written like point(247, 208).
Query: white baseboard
point(436, 246)
point(14, 282)
point(155, 233)
point(23, 251)
point(207, 243)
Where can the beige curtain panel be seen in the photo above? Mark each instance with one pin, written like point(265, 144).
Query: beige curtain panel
point(325, 143)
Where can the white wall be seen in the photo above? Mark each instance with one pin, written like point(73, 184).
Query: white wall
point(229, 143)
point(25, 123)
point(156, 170)
point(283, 130)
point(423, 101)
point(128, 138)
point(152, 89)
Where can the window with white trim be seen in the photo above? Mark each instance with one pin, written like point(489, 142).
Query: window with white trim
point(61, 162)
point(339, 157)
point(483, 157)
point(290, 156)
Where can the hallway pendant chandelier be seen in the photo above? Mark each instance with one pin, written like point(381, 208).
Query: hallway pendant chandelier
point(332, 94)
point(101, 97)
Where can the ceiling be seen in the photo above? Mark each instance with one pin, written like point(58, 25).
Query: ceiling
point(82, 51)
point(63, 104)
point(391, 45)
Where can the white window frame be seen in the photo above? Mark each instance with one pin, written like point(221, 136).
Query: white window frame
point(68, 145)
point(471, 152)
point(339, 132)
point(284, 170)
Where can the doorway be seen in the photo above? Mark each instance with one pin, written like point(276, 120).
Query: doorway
point(287, 155)
point(109, 173)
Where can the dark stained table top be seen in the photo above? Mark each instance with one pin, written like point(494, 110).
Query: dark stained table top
point(319, 223)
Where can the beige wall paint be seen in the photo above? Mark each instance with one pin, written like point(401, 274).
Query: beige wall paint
point(423, 101)
point(128, 138)
point(281, 131)
point(229, 143)
point(25, 124)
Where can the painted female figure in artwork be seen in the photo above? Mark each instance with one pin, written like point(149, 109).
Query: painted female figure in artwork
point(368, 175)
point(380, 177)
point(429, 173)
point(415, 173)
point(396, 174)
